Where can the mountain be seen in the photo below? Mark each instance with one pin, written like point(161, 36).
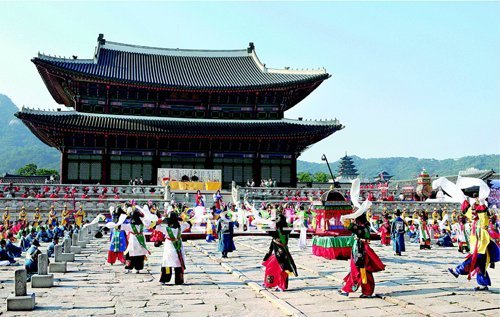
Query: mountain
point(407, 167)
point(18, 145)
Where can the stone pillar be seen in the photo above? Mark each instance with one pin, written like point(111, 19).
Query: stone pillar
point(66, 245)
point(75, 248)
point(58, 266)
point(20, 277)
point(42, 279)
point(20, 300)
point(43, 262)
point(81, 242)
point(58, 250)
point(66, 256)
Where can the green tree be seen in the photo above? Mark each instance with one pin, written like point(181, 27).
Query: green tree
point(321, 177)
point(304, 177)
point(46, 171)
point(28, 170)
point(32, 170)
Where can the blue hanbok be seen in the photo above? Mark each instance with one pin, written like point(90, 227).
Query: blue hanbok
point(13, 250)
point(398, 235)
point(225, 231)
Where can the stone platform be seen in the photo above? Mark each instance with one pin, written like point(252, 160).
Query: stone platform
point(415, 284)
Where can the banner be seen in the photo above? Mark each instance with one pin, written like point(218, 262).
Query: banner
point(188, 175)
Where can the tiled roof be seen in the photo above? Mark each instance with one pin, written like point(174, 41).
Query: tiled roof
point(163, 126)
point(187, 69)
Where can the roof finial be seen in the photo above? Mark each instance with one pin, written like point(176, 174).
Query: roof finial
point(251, 47)
point(101, 39)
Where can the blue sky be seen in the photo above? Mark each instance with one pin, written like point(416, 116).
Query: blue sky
point(415, 79)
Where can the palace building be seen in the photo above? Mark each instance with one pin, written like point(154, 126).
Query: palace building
point(134, 109)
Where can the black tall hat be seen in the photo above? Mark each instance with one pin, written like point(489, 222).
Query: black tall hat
point(172, 220)
point(281, 221)
point(135, 218)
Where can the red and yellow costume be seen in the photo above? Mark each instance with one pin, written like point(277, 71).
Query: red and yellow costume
point(364, 261)
point(79, 216)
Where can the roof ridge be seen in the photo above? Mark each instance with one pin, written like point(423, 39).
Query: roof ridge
point(132, 48)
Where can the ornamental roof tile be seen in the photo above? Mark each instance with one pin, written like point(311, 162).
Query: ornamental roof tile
point(188, 69)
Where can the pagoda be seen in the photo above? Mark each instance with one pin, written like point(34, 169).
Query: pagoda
point(134, 109)
point(347, 170)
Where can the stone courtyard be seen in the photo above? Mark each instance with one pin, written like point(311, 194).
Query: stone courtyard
point(416, 284)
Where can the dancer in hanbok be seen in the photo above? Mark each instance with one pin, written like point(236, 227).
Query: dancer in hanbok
point(493, 229)
point(136, 251)
point(385, 230)
point(118, 237)
point(278, 260)
point(423, 232)
point(364, 261)
point(209, 229)
point(218, 200)
point(173, 260)
point(225, 232)
point(199, 199)
point(398, 233)
point(462, 233)
point(298, 225)
point(484, 253)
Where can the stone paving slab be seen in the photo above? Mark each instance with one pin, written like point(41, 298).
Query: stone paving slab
point(415, 284)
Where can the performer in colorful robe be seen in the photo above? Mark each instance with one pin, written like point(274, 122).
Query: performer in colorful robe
point(225, 232)
point(484, 252)
point(398, 233)
point(462, 233)
point(173, 260)
point(52, 216)
point(218, 200)
point(278, 260)
point(136, 249)
point(23, 217)
point(79, 216)
point(209, 229)
point(6, 218)
point(199, 199)
point(385, 231)
point(37, 217)
point(423, 232)
point(364, 261)
point(64, 216)
point(118, 237)
point(493, 229)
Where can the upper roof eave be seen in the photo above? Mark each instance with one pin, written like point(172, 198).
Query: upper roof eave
point(26, 110)
point(47, 63)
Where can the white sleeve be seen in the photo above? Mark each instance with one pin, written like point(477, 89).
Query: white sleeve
point(162, 229)
point(126, 227)
point(184, 226)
